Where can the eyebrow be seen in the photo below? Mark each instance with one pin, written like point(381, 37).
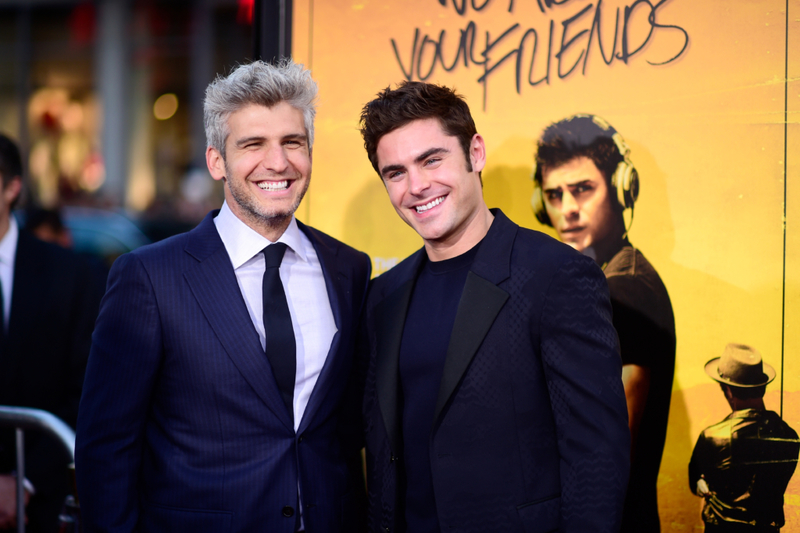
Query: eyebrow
point(247, 140)
point(427, 153)
point(259, 138)
point(420, 158)
point(570, 185)
point(295, 137)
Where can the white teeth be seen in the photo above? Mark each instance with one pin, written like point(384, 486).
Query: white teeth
point(432, 203)
point(274, 185)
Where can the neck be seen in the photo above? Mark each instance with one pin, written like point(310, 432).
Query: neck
point(605, 251)
point(455, 245)
point(738, 404)
point(272, 228)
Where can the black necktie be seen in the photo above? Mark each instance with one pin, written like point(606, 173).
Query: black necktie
point(280, 345)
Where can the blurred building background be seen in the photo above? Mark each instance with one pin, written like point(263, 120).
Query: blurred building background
point(105, 98)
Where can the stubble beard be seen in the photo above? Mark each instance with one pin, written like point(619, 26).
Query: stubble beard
point(257, 214)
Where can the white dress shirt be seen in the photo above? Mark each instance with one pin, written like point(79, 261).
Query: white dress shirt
point(306, 294)
point(8, 253)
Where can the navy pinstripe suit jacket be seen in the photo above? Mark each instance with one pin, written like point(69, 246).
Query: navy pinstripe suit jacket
point(530, 431)
point(181, 425)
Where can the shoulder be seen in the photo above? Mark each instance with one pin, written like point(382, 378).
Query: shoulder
point(158, 256)
point(778, 424)
point(29, 246)
point(199, 242)
point(169, 257)
point(346, 255)
point(38, 255)
point(394, 278)
point(513, 252)
point(721, 431)
point(634, 283)
point(335, 244)
point(555, 265)
point(545, 248)
point(629, 267)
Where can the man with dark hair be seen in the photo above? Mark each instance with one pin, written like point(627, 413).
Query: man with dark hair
point(742, 465)
point(48, 307)
point(220, 393)
point(493, 399)
point(584, 181)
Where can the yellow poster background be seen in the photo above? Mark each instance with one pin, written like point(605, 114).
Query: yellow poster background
point(709, 134)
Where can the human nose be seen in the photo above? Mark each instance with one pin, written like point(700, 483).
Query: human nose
point(569, 206)
point(418, 182)
point(275, 159)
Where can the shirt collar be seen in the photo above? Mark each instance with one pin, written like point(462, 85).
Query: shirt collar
point(8, 244)
point(242, 242)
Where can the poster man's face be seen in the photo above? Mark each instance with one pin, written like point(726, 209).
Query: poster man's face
point(268, 163)
point(577, 200)
point(425, 173)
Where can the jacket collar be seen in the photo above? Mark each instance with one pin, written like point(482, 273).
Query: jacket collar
point(481, 302)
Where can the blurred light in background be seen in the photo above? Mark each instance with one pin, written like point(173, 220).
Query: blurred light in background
point(165, 107)
point(131, 136)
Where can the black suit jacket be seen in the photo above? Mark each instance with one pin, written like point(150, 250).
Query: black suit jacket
point(53, 309)
point(182, 426)
point(530, 430)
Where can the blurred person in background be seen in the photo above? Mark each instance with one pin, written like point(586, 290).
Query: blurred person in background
point(49, 305)
point(47, 225)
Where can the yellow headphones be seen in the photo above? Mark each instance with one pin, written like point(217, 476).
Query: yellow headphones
point(625, 179)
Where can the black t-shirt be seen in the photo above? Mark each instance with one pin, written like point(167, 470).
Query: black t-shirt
point(426, 335)
point(645, 324)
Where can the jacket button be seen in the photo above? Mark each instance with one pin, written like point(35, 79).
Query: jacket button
point(288, 511)
point(300, 438)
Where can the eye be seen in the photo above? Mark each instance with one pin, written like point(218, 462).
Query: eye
point(394, 175)
point(583, 187)
point(553, 196)
point(432, 161)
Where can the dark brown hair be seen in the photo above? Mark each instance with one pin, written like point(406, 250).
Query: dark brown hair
point(414, 100)
point(577, 136)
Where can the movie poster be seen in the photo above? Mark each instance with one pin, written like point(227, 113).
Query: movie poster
point(705, 97)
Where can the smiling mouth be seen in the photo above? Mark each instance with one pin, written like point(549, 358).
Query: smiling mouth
point(273, 185)
point(429, 205)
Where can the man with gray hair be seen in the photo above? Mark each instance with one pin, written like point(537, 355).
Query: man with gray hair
point(220, 391)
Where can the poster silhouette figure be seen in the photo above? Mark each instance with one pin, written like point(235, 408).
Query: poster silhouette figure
point(742, 465)
point(584, 181)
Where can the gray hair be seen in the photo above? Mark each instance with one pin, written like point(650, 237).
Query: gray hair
point(258, 83)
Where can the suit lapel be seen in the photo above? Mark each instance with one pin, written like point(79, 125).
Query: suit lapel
point(481, 302)
point(390, 318)
point(214, 285)
point(336, 281)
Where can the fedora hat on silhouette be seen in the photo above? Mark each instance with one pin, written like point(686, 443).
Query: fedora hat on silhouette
point(740, 366)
